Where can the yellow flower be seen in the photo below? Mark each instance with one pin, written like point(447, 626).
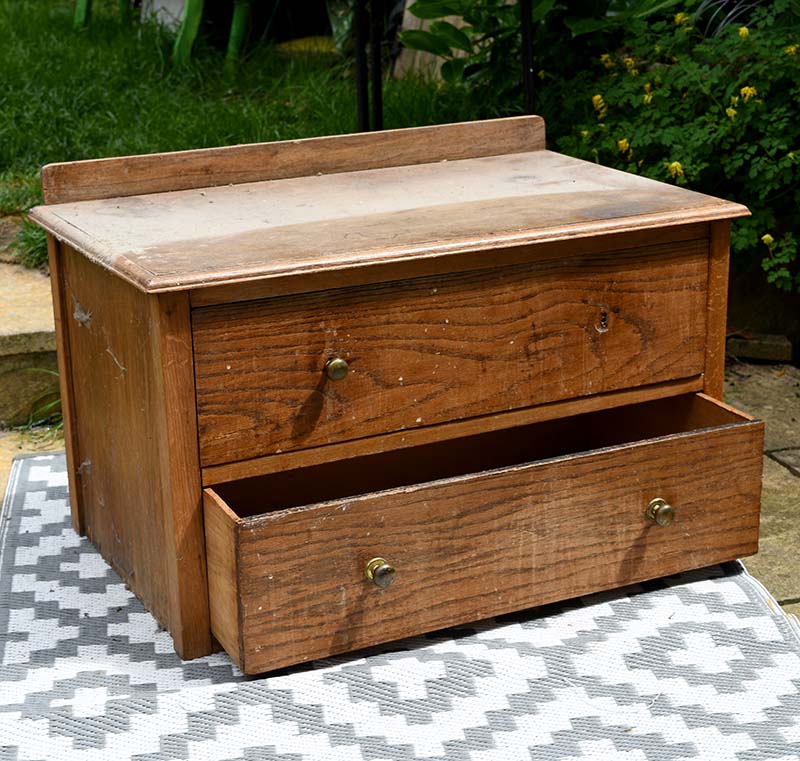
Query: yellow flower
point(584, 133)
point(734, 100)
point(744, 32)
point(731, 112)
point(630, 65)
point(767, 239)
point(647, 87)
point(682, 18)
point(792, 50)
point(599, 106)
point(541, 74)
point(623, 145)
point(675, 169)
point(648, 98)
point(607, 61)
point(748, 92)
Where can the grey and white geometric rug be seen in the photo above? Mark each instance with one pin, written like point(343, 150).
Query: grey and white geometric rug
point(703, 665)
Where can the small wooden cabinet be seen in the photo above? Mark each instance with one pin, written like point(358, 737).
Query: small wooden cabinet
point(332, 392)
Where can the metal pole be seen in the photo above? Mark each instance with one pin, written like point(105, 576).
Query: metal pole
point(526, 18)
point(360, 29)
point(375, 42)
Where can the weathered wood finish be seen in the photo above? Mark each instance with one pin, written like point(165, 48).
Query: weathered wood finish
point(223, 573)
point(475, 282)
point(61, 317)
point(433, 350)
point(487, 543)
point(309, 282)
point(139, 485)
point(360, 220)
point(340, 451)
point(160, 172)
point(177, 455)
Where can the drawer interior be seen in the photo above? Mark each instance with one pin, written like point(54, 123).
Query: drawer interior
point(461, 456)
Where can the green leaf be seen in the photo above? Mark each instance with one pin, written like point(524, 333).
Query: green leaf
point(452, 35)
point(418, 39)
point(542, 8)
point(453, 70)
point(579, 26)
point(434, 9)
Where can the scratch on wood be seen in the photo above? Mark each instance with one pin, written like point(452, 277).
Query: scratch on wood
point(116, 361)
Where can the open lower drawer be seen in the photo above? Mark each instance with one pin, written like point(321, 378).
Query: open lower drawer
point(475, 527)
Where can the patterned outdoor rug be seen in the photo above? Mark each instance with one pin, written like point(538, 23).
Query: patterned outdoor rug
point(702, 665)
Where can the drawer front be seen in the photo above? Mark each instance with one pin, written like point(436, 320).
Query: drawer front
point(480, 545)
point(432, 350)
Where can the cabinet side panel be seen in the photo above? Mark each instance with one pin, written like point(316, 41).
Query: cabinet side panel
point(61, 317)
point(717, 308)
point(130, 475)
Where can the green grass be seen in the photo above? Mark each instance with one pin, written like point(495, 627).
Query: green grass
point(110, 90)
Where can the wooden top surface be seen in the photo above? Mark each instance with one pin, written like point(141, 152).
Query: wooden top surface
point(200, 237)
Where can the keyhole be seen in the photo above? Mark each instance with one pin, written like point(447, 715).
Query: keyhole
point(603, 326)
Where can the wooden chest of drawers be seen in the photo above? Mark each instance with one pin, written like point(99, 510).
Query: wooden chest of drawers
point(332, 392)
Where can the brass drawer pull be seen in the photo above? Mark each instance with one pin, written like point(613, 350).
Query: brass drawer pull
point(660, 512)
point(336, 368)
point(380, 573)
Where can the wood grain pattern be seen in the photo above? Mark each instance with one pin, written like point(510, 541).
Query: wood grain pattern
point(360, 220)
point(341, 451)
point(488, 543)
point(252, 290)
point(61, 317)
point(717, 319)
point(131, 368)
point(428, 351)
point(177, 454)
point(160, 172)
point(223, 573)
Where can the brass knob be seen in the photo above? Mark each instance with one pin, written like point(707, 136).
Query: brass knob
point(336, 368)
point(660, 512)
point(380, 573)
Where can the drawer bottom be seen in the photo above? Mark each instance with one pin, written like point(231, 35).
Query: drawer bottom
point(476, 527)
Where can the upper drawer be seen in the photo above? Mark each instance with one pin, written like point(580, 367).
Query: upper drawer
point(443, 348)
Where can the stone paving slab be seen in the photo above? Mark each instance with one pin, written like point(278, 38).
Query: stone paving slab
point(789, 458)
point(772, 393)
point(777, 564)
point(794, 609)
point(27, 342)
point(26, 308)
point(769, 392)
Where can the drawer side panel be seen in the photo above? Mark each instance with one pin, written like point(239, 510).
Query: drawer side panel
point(493, 543)
point(432, 350)
point(223, 573)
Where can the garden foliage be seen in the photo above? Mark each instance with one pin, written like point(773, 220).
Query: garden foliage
point(673, 94)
